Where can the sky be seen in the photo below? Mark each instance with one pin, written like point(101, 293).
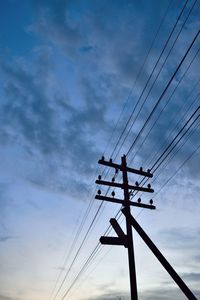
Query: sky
point(71, 73)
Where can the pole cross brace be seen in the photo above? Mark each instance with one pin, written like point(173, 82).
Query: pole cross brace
point(121, 185)
point(121, 240)
point(131, 170)
point(120, 201)
point(159, 255)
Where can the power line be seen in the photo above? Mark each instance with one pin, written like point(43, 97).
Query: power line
point(180, 167)
point(150, 76)
point(167, 102)
point(83, 268)
point(186, 114)
point(138, 76)
point(79, 249)
point(166, 182)
point(168, 147)
point(163, 93)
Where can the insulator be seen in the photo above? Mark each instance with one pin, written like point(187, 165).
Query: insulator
point(141, 169)
point(116, 171)
point(102, 158)
point(151, 201)
point(113, 194)
point(148, 171)
point(149, 186)
point(139, 200)
point(99, 177)
point(136, 183)
point(113, 179)
point(99, 192)
point(110, 160)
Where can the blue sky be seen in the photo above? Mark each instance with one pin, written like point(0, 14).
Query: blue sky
point(67, 69)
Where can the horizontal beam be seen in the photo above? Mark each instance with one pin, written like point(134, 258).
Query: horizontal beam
point(140, 188)
point(120, 201)
point(121, 185)
point(109, 199)
point(106, 240)
point(159, 256)
point(114, 184)
point(143, 205)
point(131, 170)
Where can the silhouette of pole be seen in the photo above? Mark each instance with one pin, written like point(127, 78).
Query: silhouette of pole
point(159, 255)
point(131, 258)
point(124, 239)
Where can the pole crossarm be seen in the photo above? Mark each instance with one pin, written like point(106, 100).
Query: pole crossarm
point(128, 169)
point(120, 201)
point(159, 255)
point(121, 240)
point(107, 240)
point(109, 199)
point(121, 185)
point(114, 184)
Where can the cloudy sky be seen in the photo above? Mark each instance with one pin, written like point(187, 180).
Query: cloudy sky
point(72, 74)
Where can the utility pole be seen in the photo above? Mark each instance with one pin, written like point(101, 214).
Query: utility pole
point(131, 256)
point(125, 239)
point(177, 279)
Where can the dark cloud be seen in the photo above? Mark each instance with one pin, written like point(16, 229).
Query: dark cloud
point(4, 297)
point(60, 100)
point(49, 124)
point(197, 258)
point(165, 294)
point(89, 26)
point(151, 294)
point(5, 238)
point(111, 296)
point(62, 131)
point(193, 277)
point(180, 238)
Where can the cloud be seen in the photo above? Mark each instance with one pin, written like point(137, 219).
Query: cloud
point(111, 296)
point(156, 293)
point(191, 277)
point(5, 238)
point(60, 100)
point(164, 293)
point(102, 76)
point(5, 297)
point(180, 237)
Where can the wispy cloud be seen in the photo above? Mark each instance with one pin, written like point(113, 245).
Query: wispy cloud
point(180, 238)
point(5, 297)
point(5, 238)
point(151, 294)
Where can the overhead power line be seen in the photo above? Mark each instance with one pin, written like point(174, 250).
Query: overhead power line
point(148, 80)
point(163, 93)
point(90, 227)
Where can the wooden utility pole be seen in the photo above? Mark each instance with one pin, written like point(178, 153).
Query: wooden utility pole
point(131, 256)
point(184, 288)
point(124, 239)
